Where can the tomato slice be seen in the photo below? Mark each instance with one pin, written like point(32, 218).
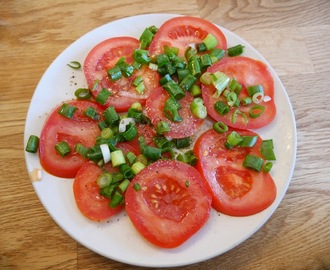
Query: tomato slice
point(80, 129)
point(87, 193)
point(248, 72)
point(155, 111)
point(172, 204)
point(103, 57)
point(236, 190)
point(180, 32)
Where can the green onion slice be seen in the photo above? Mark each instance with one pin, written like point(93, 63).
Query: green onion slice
point(256, 111)
point(253, 162)
point(220, 127)
point(63, 148)
point(198, 108)
point(32, 144)
point(67, 110)
point(171, 110)
point(235, 50)
point(74, 65)
point(82, 93)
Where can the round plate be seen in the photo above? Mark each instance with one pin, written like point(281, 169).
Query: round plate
point(117, 239)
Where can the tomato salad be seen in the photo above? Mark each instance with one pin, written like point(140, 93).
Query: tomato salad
point(164, 131)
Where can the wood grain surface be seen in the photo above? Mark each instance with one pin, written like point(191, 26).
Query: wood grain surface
point(294, 36)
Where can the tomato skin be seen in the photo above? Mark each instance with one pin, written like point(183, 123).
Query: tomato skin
point(79, 129)
point(165, 211)
point(236, 191)
point(246, 71)
point(180, 32)
point(87, 193)
point(103, 57)
point(155, 111)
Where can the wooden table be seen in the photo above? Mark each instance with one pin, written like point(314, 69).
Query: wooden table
point(294, 36)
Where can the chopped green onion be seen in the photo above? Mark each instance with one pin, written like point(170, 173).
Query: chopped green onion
point(131, 157)
point(105, 152)
point(201, 47)
point(123, 185)
point(258, 97)
point(137, 186)
point(253, 162)
point(210, 41)
point(92, 113)
point(74, 65)
point(115, 73)
point(248, 141)
point(126, 69)
point(141, 158)
point(179, 63)
point(256, 111)
point(188, 157)
point(187, 183)
point(136, 106)
point(206, 78)
point(81, 150)
point(117, 158)
point(182, 73)
point(146, 38)
point(111, 116)
point(161, 142)
point(94, 153)
point(82, 93)
point(182, 142)
point(237, 113)
point(216, 54)
point(165, 79)
point(235, 50)
point(220, 81)
point(63, 148)
point(141, 56)
point(221, 107)
point(233, 139)
point(205, 61)
point(137, 80)
point(198, 108)
point(137, 167)
point(153, 66)
point(171, 52)
point(268, 166)
point(32, 144)
point(174, 90)
point(95, 85)
point(190, 52)
point(231, 99)
point(187, 82)
point(253, 89)
point(162, 59)
point(162, 127)
point(130, 133)
point(220, 127)
point(246, 100)
point(67, 110)
point(107, 133)
point(126, 170)
point(140, 88)
point(104, 180)
point(116, 199)
point(149, 152)
point(267, 149)
point(194, 66)
point(195, 90)
point(171, 110)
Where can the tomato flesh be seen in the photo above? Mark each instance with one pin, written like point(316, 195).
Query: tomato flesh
point(80, 129)
point(236, 191)
point(155, 111)
point(87, 193)
point(180, 32)
point(105, 56)
point(247, 72)
point(172, 204)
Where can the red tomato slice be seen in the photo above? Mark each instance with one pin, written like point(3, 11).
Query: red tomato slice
point(166, 210)
point(237, 191)
point(180, 32)
point(80, 129)
point(87, 193)
point(103, 57)
point(155, 111)
point(248, 72)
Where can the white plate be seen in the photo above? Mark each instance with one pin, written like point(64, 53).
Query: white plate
point(118, 239)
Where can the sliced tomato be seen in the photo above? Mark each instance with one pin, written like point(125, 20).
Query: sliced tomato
point(237, 191)
point(155, 111)
point(248, 72)
point(80, 129)
point(87, 193)
point(172, 204)
point(103, 57)
point(180, 32)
